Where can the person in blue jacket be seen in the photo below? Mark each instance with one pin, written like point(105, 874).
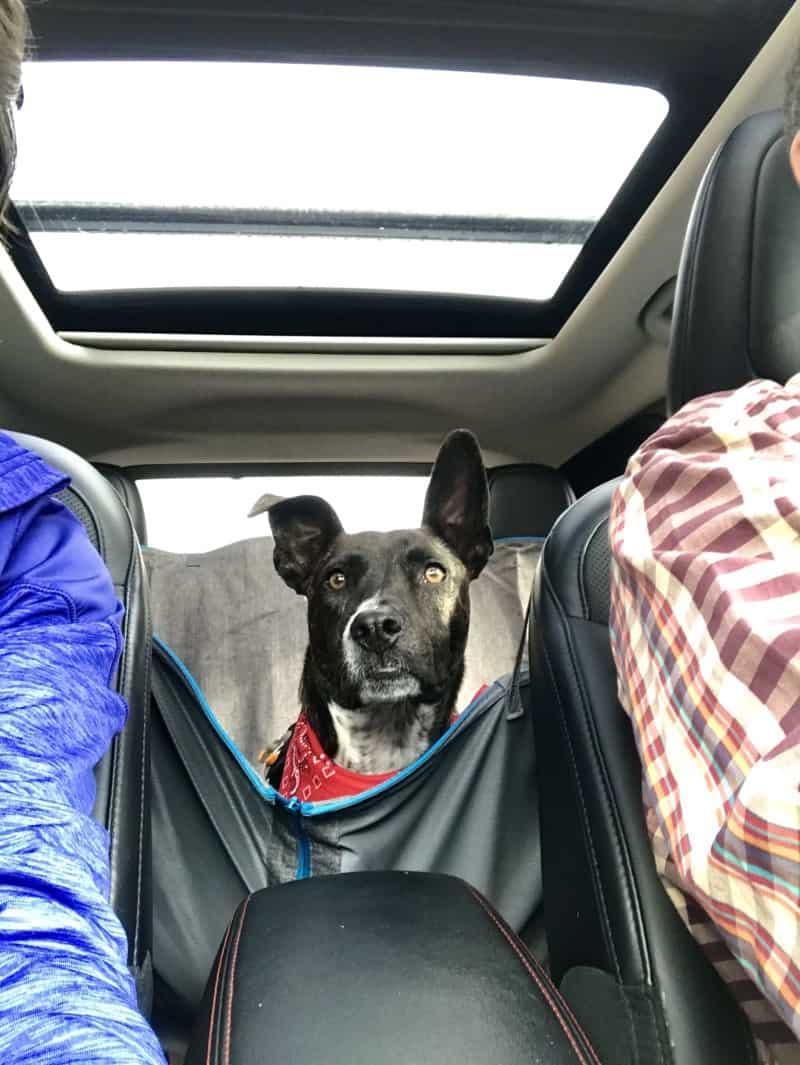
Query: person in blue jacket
point(66, 995)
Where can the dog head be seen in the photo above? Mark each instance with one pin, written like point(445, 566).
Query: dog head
point(388, 613)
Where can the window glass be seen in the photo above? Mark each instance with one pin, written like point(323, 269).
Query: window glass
point(197, 514)
point(188, 174)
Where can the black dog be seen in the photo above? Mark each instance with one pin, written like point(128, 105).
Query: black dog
point(388, 613)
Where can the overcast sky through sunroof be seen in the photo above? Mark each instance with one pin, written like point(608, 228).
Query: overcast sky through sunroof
point(325, 138)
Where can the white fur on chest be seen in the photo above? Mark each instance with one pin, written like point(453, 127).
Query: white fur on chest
point(382, 739)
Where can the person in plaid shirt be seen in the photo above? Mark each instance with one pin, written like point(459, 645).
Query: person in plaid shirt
point(705, 631)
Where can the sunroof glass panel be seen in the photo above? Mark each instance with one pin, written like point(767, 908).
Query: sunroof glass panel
point(212, 175)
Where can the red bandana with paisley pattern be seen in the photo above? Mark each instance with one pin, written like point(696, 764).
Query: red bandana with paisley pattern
point(311, 776)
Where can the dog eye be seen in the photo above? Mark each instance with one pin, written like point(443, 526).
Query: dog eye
point(434, 574)
point(336, 581)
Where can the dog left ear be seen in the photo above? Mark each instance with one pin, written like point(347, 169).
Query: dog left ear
point(304, 528)
point(457, 501)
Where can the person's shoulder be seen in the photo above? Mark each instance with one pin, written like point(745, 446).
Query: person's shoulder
point(24, 475)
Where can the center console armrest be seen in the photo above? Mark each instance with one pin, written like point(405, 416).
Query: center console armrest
point(407, 968)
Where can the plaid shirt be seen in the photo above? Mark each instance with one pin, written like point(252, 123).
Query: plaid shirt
point(705, 630)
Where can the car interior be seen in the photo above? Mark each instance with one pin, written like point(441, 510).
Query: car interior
point(267, 247)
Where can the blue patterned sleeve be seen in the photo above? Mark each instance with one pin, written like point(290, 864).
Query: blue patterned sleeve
point(66, 995)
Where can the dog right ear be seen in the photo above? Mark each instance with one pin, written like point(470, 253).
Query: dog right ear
point(304, 527)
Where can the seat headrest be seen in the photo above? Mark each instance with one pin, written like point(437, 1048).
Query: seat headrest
point(525, 500)
point(737, 303)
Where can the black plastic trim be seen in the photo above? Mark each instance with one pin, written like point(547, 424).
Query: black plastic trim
point(55, 216)
point(279, 469)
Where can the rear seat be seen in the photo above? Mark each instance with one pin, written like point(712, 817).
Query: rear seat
point(203, 869)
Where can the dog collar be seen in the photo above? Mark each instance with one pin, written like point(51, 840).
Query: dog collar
point(270, 755)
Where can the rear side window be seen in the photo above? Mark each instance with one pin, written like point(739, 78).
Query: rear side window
point(198, 514)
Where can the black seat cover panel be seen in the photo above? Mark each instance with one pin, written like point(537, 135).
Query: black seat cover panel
point(190, 912)
point(122, 776)
point(605, 907)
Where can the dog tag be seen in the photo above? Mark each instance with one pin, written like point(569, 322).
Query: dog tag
point(270, 755)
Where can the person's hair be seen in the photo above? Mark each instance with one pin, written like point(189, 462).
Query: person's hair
point(14, 32)
point(791, 107)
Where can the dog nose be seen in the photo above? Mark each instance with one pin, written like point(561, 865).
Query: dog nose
point(376, 629)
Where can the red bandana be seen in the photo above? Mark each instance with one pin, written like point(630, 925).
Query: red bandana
point(311, 776)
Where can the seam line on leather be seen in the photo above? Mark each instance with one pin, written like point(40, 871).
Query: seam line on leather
point(615, 819)
point(754, 207)
point(127, 734)
point(552, 999)
point(608, 934)
point(145, 738)
point(231, 992)
point(611, 805)
point(581, 571)
point(213, 1014)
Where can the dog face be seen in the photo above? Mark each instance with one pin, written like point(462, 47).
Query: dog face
point(388, 613)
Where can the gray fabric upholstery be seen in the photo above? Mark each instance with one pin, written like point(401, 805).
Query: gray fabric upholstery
point(242, 633)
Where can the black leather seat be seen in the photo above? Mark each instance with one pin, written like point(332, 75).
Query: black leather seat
point(123, 775)
point(631, 971)
point(126, 489)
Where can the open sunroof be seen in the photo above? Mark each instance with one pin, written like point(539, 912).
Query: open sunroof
point(343, 169)
point(272, 176)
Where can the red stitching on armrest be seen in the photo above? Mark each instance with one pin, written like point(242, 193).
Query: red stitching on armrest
point(234, 959)
point(554, 1000)
point(212, 1016)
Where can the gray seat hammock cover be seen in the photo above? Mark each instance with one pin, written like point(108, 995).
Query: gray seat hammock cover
point(234, 637)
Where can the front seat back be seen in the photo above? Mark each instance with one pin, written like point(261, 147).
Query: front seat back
point(627, 964)
point(122, 777)
point(737, 304)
